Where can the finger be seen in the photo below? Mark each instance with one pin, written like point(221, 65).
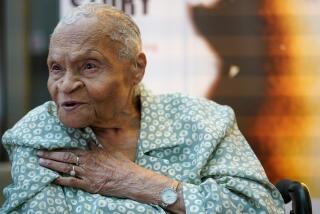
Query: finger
point(70, 182)
point(93, 146)
point(75, 151)
point(61, 156)
point(60, 166)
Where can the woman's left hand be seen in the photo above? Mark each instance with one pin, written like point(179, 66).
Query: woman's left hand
point(96, 170)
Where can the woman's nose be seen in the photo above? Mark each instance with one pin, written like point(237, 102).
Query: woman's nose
point(70, 83)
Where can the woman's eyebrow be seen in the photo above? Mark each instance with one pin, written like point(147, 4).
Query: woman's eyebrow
point(80, 56)
point(53, 58)
point(84, 54)
point(90, 53)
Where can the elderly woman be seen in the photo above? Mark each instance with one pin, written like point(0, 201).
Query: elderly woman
point(106, 145)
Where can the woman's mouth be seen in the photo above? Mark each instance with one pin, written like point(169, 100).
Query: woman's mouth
point(70, 105)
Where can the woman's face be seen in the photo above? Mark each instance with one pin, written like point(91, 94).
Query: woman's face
point(89, 83)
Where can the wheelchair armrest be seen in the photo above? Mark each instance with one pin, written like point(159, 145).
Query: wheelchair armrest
point(296, 192)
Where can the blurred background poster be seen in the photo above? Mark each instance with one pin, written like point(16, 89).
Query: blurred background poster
point(258, 56)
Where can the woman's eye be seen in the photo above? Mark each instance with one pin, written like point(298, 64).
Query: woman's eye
point(90, 66)
point(56, 68)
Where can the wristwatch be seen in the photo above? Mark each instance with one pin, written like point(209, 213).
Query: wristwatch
point(169, 195)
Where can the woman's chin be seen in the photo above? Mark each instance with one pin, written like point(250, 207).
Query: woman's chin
point(72, 122)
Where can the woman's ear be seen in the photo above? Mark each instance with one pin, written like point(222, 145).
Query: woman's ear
point(139, 67)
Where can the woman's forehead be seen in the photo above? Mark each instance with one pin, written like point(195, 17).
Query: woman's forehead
point(75, 47)
point(58, 54)
point(77, 32)
point(77, 39)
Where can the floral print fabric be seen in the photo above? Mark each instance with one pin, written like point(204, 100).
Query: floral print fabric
point(192, 140)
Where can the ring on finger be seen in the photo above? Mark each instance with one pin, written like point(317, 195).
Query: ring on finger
point(73, 172)
point(78, 161)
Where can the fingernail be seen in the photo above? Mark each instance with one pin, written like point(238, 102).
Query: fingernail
point(41, 160)
point(40, 153)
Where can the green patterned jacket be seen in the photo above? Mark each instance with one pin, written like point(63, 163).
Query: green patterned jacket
point(193, 140)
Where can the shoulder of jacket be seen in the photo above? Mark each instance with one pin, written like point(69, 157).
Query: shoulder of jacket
point(194, 105)
point(44, 113)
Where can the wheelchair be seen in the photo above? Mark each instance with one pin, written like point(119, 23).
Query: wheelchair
point(298, 193)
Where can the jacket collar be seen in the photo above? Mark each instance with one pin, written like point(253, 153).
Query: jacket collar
point(156, 129)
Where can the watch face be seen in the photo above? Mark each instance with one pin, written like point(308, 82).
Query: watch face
point(169, 196)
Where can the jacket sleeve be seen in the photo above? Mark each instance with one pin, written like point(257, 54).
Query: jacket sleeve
point(31, 188)
point(232, 180)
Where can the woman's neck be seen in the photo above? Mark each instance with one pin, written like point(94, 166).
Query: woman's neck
point(123, 141)
point(122, 133)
